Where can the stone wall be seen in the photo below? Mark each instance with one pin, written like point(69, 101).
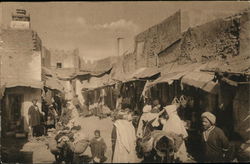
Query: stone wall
point(155, 39)
point(218, 39)
point(244, 33)
point(170, 54)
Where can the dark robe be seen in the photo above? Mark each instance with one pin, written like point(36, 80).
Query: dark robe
point(98, 148)
point(35, 116)
point(215, 146)
point(113, 141)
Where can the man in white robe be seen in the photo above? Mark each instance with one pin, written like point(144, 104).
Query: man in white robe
point(145, 117)
point(175, 124)
point(125, 142)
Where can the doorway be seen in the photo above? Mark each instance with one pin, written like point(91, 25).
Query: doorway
point(15, 106)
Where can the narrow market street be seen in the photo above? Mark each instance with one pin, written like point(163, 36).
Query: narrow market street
point(124, 82)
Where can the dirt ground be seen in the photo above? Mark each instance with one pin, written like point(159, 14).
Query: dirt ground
point(35, 151)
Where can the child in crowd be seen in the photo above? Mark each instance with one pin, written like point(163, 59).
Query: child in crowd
point(98, 148)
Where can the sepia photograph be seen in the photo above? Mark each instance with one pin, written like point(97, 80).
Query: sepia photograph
point(125, 82)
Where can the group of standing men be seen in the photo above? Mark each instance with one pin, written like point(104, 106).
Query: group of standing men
point(42, 119)
point(215, 144)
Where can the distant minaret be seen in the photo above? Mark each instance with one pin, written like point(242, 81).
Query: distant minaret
point(20, 20)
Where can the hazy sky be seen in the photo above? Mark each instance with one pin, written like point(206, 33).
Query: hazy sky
point(94, 26)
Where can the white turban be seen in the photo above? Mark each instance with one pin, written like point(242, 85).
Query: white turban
point(147, 108)
point(211, 118)
point(171, 109)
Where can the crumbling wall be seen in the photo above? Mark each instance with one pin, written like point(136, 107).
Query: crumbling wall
point(245, 33)
point(170, 54)
point(156, 39)
point(21, 58)
point(217, 39)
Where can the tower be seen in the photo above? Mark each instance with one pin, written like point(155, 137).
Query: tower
point(20, 20)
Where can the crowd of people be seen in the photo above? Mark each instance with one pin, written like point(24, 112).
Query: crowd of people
point(159, 131)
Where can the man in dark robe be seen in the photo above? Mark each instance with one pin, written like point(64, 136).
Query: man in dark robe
point(215, 143)
point(34, 118)
point(98, 148)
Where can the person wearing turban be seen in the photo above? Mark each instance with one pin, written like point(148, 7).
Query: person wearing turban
point(123, 139)
point(175, 125)
point(146, 116)
point(215, 143)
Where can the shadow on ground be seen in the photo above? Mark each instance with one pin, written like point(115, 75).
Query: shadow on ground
point(11, 150)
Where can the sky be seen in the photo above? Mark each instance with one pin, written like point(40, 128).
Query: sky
point(94, 27)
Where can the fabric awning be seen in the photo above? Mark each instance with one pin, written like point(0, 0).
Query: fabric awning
point(168, 78)
point(172, 72)
point(202, 80)
point(53, 83)
point(31, 84)
point(145, 73)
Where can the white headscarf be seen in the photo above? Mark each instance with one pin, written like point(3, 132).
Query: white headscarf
point(147, 108)
point(174, 123)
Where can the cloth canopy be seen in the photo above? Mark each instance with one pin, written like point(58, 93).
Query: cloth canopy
point(145, 73)
point(202, 80)
point(53, 83)
point(31, 84)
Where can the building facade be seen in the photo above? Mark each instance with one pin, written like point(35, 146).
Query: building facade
point(65, 59)
point(20, 69)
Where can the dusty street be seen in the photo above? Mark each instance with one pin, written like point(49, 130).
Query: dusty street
point(36, 150)
point(179, 70)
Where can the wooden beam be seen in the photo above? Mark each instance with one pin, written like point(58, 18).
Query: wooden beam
point(244, 82)
point(230, 82)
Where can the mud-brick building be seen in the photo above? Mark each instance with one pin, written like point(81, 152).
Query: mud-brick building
point(64, 58)
point(20, 72)
point(152, 41)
